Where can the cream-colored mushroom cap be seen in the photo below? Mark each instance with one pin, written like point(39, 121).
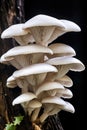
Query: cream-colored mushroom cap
point(61, 49)
point(11, 82)
point(70, 26)
point(64, 93)
point(20, 50)
point(54, 100)
point(13, 30)
point(73, 63)
point(43, 20)
point(34, 104)
point(45, 28)
point(34, 69)
point(30, 70)
point(24, 98)
point(23, 37)
point(65, 81)
point(48, 86)
point(68, 107)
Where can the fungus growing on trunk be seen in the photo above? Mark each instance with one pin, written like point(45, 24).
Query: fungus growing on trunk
point(42, 67)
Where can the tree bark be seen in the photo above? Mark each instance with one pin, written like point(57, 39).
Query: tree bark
point(11, 12)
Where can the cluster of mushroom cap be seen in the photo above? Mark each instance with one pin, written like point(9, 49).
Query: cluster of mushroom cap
point(42, 66)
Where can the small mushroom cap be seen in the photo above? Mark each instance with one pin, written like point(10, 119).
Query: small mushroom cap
point(11, 82)
point(43, 20)
point(34, 104)
point(68, 107)
point(48, 86)
point(64, 93)
point(70, 26)
point(54, 100)
point(20, 50)
point(75, 64)
point(34, 69)
point(13, 30)
point(65, 81)
point(61, 49)
point(23, 98)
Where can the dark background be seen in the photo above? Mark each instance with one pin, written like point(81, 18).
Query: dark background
point(74, 10)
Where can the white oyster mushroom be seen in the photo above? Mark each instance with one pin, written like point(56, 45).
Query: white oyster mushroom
point(49, 104)
point(23, 37)
point(45, 28)
point(65, 80)
point(68, 107)
point(49, 87)
point(66, 63)
point(40, 69)
point(49, 109)
point(75, 64)
point(42, 66)
point(53, 105)
point(19, 58)
point(24, 98)
point(70, 26)
point(64, 93)
point(34, 69)
point(61, 49)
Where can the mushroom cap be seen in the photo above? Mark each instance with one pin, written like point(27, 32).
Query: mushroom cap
point(70, 26)
point(30, 70)
point(65, 81)
point(75, 64)
point(20, 50)
point(53, 100)
point(68, 107)
point(14, 30)
point(64, 93)
point(48, 86)
point(61, 49)
point(34, 69)
point(11, 82)
point(34, 104)
point(43, 20)
point(26, 97)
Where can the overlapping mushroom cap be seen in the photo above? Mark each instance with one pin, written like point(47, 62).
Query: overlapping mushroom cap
point(42, 67)
point(42, 29)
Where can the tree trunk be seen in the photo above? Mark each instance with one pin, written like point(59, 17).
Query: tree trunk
point(11, 12)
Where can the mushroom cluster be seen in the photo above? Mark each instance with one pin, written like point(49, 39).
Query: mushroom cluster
point(42, 66)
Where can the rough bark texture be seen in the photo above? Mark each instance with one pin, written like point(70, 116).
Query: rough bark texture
point(11, 12)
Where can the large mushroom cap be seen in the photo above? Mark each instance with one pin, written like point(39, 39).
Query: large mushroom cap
point(20, 50)
point(43, 20)
point(34, 69)
point(45, 28)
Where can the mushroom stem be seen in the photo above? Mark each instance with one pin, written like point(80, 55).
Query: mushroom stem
point(35, 114)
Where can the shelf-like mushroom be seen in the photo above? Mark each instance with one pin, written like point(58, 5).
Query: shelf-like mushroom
point(19, 58)
point(61, 49)
point(46, 29)
point(23, 37)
